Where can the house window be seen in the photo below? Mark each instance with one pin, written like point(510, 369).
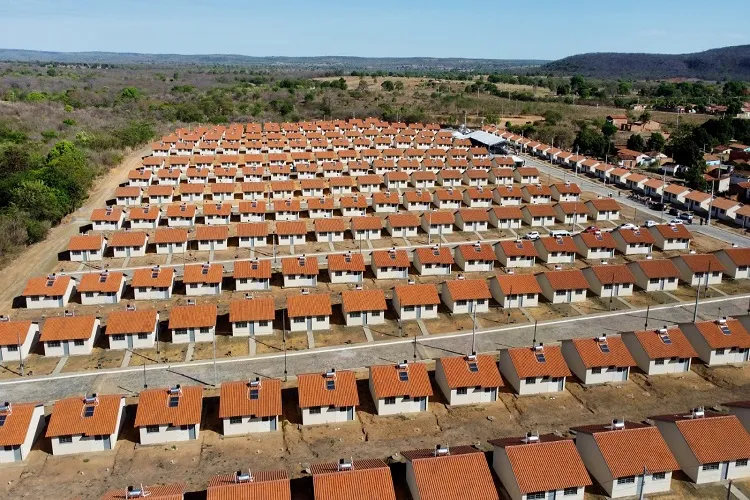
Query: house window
point(89, 295)
point(315, 410)
point(65, 439)
point(596, 371)
point(181, 331)
point(461, 303)
point(235, 420)
point(531, 380)
point(741, 463)
point(375, 314)
point(659, 361)
point(12, 348)
point(142, 336)
point(570, 491)
point(299, 320)
point(152, 429)
point(428, 308)
point(713, 466)
point(53, 343)
point(390, 401)
point(204, 330)
point(263, 323)
point(118, 337)
point(79, 342)
point(720, 351)
point(659, 476)
point(320, 318)
point(461, 391)
point(539, 495)
point(626, 480)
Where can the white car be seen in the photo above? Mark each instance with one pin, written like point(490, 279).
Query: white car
point(532, 235)
point(650, 223)
point(628, 225)
point(677, 221)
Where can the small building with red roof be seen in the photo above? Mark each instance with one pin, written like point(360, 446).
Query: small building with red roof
point(506, 217)
point(363, 307)
point(416, 301)
point(434, 261)
point(476, 258)
point(720, 342)
point(699, 269)
point(603, 209)
point(349, 479)
point(44, 292)
point(402, 225)
point(107, 219)
point(300, 271)
point(610, 280)
point(153, 284)
point(633, 241)
point(16, 338)
point(22, 424)
point(69, 335)
point(192, 323)
point(128, 244)
point(464, 296)
point(470, 379)
point(87, 247)
point(203, 279)
point(400, 388)
point(85, 424)
point(660, 351)
point(515, 290)
point(366, 228)
point(539, 369)
point(390, 264)
point(132, 329)
point(308, 312)
point(212, 238)
point(563, 287)
point(542, 215)
point(438, 222)
point(518, 253)
point(329, 230)
point(736, 262)
point(250, 485)
point(169, 414)
point(556, 249)
point(346, 268)
point(252, 316)
point(473, 219)
point(671, 236)
point(247, 407)
point(596, 245)
point(652, 275)
point(598, 360)
point(329, 397)
point(104, 287)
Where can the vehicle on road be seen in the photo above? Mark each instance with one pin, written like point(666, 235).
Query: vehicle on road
point(677, 221)
point(687, 217)
point(650, 223)
point(559, 233)
point(532, 235)
point(592, 229)
point(673, 211)
point(656, 206)
point(628, 225)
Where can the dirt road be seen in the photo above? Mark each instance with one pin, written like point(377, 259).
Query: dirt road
point(40, 259)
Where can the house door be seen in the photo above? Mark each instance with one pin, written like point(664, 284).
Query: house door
point(493, 394)
point(422, 404)
point(127, 251)
point(273, 423)
point(66, 348)
point(211, 245)
point(107, 442)
point(191, 432)
point(569, 296)
point(350, 413)
point(639, 483)
point(418, 311)
point(309, 323)
point(17, 453)
point(470, 303)
point(561, 384)
point(130, 341)
point(520, 300)
point(251, 326)
point(686, 365)
point(745, 353)
point(552, 495)
point(622, 374)
point(616, 290)
point(85, 256)
point(724, 470)
point(191, 333)
point(364, 318)
point(662, 283)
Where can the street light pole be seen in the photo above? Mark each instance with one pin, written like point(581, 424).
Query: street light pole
point(698, 293)
point(20, 352)
point(474, 330)
point(648, 309)
point(283, 330)
point(214, 355)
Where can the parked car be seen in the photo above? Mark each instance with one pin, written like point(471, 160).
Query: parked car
point(656, 206)
point(560, 233)
point(677, 221)
point(532, 235)
point(650, 223)
point(686, 216)
point(673, 211)
point(591, 229)
point(628, 225)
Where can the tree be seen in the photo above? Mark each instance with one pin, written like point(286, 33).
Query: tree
point(399, 85)
point(13, 159)
point(40, 201)
point(624, 88)
point(578, 85)
point(552, 117)
point(609, 129)
point(132, 93)
point(656, 142)
point(636, 142)
point(645, 117)
point(387, 85)
point(590, 141)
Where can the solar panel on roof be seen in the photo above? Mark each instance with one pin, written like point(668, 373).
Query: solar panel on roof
point(253, 393)
point(331, 385)
point(665, 338)
point(2, 420)
point(604, 347)
point(540, 357)
point(598, 236)
point(559, 241)
point(403, 376)
point(174, 401)
point(519, 245)
point(725, 329)
point(89, 411)
point(473, 368)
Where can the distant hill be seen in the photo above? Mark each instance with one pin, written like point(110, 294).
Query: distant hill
point(323, 62)
point(715, 64)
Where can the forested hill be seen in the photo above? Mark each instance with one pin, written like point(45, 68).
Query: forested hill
point(323, 62)
point(732, 63)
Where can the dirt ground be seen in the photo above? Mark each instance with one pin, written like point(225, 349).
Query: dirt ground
point(294, 447)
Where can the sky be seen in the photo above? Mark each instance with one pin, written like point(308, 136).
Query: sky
point(544, 29)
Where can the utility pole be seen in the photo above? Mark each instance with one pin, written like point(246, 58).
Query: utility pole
point(710, 204)
point(648, 310)
point(216, 378)
point(474, 330)
point(20, 351)
point(612, 290)
point(698, 293)
point(283, 333)
point(533, 341)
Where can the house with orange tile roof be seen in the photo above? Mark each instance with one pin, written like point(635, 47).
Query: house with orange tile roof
point(736, 262)
point(254, 191)
point(505, 217)
point(300, 271)
point(423, 179)
point(252, 275)
point(252, 234)
point(107, 219)
point(319, 207)
point(449, 178)
point(87, 248)
point(437, 222)
point(370, 183)
point(101, 288)
point(515, 290)
point(309, 312)
point(353, 205)
point(287, 210)
point(449, 472)
point(390, 264)
point(400, 388)
point(476, 177)
point(603, 209)
point(132, 328)
point(22, 424)
point(569, 212)
point(540, 369)
point(699, 269)
point(128, 196)
point(473, 219)
point(519, 253)
point(708, 446)
point(508, 195)
point(212, 237)
point(535, 466)
point(363, 307)
point(563, 287)
point(464, 296)
point(192, 323)
point(417, 200)
point(655, 274)
point(140, 177)
point(69, 335)
point(386, 202)
point(146, 217)
point(346, 268)
point(470, 379)
point(626, 458)
point(610, 280)
point(556, 250)
point(478, 197)
point(282, 190)
point(252, 316)
point(542, 215)
point(128, 244)
point(329, 230)
point(403, 225)
point(85, 424)
point(266, 485)
point(676, 194)
point(16, 339)
point(156, 492)
point(153, 284)
point(217, 214)
point(720, 342)
point(341, 184)
point(476, 258)
point(596, 245)
point(44, 292)
point(526, 175)
point(366, 228)
point(659, 351)
point(168, 176)
point(416, 301)
point(434, 261)
point(448, 198)
point(671, 236)
point(501, 176)
point(599, 360)
point(169, 415)
point(724, 209)
point(291, 232)
point(329, 397)
point(182, 215)
point(203, 279)
point(638, 241)
point(248, 407)
point(348, 479)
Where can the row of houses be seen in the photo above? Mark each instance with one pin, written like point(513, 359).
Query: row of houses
point(622, 458)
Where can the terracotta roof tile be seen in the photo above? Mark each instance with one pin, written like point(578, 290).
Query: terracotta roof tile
point(519, 248)
point(474, 214)
point(48, 286)
point(308, 305)
point(481, 251)
point(252, 229)
point(674, 231)
point(449, 194)
point(713, 438)
point(478, 193)
point(439, 217)
point(417, 294)
point(509, 191)
point(417, 196)
point(403, 220)
point(434, 255)
point(739, 256)
point(68, 416)
point(652, 342)
point(370, 479)
point(266, 485)
point(387, 380)
point(657, 268)
point(540, 209)
point(463, 473)
point(313, 389)
point(236, 401)
point(572, 207)
point(258, 269)
point(390, 258)
point(203, 273)
point(131, 322)
point(559, 244)
point(17, 421)
point(701, 263)
point(368, 223)
point(552, 463)
point(183, 210)
point(613, 273)
point(711, 331)
point(287, 228)
point(255, 309)
point(102, 282)
point(567, 188)
point(154, 409)
point(148, 213)
point(504, 213)
point(329, 225)
point(463, 289)
point(572, 279)
point(86, 242)
point(68, 328)
point(13, 333)
point(605, 205)
point(518, 284)
point(527, 364)
point(192, 316)
point(154, 277)
point(363, 300)
point(592, 355)
point(127, 192)
point(346, 262)
point(458, 374)
point(353, 201)
point(598, 240)
point(216, 233)
point(299, 265)
point(106, 215)
point(128, 239)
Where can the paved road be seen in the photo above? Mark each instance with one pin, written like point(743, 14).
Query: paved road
point(597, 187)
point(130, 380)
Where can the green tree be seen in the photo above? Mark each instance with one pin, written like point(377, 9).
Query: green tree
point(135, 133)
point(656, 142)
point(645, 117)
point(552, 117)
point(14, 159)
point(636, 142)
point(624, 88)
point(387, 85)
point(578, 84)
point(609, 129)
point(399, 85)
point(132, 93)
point(40, 201)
